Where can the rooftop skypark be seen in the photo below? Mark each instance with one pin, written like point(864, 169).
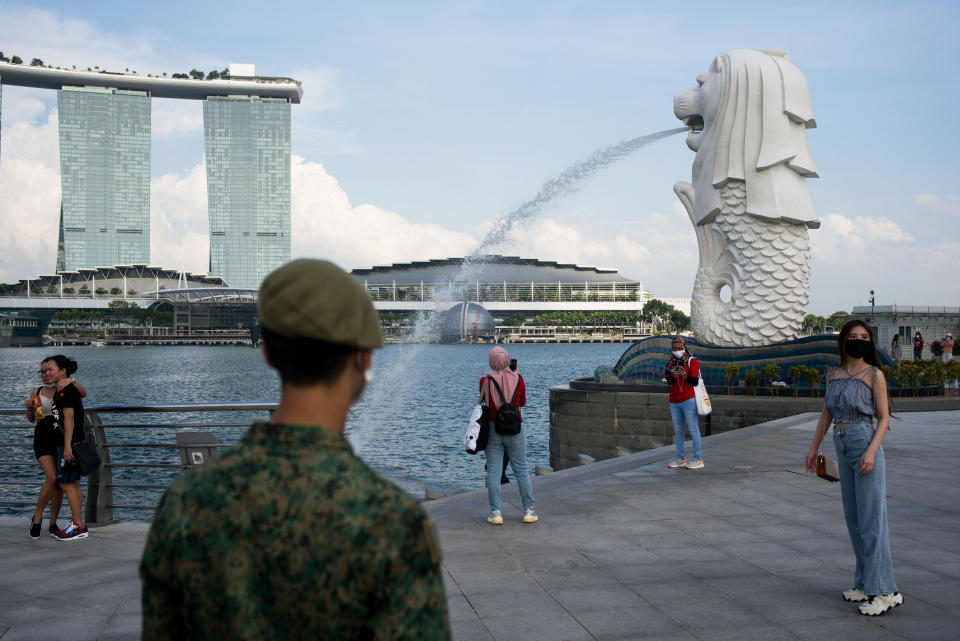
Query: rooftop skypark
point(236, 83)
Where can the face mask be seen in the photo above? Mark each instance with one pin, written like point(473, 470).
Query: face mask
point(678, 353)
point(856, 348)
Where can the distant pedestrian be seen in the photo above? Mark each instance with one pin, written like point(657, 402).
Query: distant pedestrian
point(288, 534)
point(501, 380)
point(856, 397)
point(917, 346)
point(59, 420)
point(683, 374)
point(895, 349)
point(948, 348)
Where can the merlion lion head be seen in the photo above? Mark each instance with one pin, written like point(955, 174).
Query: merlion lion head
point(748, 118)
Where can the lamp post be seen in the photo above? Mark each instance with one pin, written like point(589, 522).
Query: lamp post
point(871, 304)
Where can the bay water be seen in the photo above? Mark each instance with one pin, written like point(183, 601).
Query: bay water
point(409, 425)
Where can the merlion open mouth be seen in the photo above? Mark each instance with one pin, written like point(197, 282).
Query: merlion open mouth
point(695, 137)
point(695, 123)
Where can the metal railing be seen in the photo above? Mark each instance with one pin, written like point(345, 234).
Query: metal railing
point(110, 426)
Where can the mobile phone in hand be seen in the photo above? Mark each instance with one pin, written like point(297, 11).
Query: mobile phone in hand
point(513, 364)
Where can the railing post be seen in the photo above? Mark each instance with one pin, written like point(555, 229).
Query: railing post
point(99, 508)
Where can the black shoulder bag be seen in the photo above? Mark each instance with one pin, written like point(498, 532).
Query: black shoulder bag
point(85, 451)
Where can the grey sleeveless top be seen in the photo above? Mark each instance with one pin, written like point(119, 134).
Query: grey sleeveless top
point(849, 399)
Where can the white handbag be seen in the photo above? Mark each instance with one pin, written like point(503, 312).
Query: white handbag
point(473, 429)
point(703, 399)
point(478, 428)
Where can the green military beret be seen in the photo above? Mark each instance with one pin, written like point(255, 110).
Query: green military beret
point(310, 298)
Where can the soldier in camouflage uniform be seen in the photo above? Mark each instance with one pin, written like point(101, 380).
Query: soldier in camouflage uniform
point(288, 535)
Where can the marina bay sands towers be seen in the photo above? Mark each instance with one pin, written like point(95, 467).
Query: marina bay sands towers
point(104, 176)
point(247, 143)
point(105, 126)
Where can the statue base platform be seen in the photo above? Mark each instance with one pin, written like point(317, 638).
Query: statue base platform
point(646, 359)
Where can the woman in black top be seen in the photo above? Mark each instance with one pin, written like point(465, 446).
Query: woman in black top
point(59, 427)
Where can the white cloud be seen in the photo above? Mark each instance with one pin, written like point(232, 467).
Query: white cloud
point(325, 224)
point(853, 255)
point(22, 104)
point(320, 89)
point(171, 117)
point(178, 221)
point(547, 239)
point(841, 239)
point(631, 251)
point(30, 206)
point(69, 42)
point(637, 251)
point(949, 204)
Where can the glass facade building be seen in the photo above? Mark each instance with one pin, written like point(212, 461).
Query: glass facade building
point(247, 147)
point(105, 176)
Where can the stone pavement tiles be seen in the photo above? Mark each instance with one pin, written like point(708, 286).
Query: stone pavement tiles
point(750, 547)
point(70, 590)
point(747, 548)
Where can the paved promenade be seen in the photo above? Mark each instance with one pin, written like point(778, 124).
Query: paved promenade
point(748, 548)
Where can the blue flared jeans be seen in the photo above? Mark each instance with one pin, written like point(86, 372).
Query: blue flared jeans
point(516, 448)
point(865, 509)
point(686, 412)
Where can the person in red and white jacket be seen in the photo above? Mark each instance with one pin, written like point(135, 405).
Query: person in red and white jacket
point(683, 374)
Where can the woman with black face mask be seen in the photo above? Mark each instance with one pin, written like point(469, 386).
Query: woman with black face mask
point(857, 406)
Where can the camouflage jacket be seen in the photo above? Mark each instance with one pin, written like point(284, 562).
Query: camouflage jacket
point(289, 535)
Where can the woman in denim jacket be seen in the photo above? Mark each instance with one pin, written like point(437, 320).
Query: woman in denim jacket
point(857, 406)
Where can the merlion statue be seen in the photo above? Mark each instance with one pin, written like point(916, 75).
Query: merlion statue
point(749, 201)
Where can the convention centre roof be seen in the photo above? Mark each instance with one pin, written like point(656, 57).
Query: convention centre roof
point(487, 269)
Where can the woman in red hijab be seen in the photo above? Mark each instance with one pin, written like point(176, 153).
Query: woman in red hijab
point(510, 383)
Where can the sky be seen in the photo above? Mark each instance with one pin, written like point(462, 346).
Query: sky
point(422, 122)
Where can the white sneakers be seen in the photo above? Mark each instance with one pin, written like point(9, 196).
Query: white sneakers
point(880, 603)
point(496, 518)
point(694, 464)
point(872, 605)
point(855, 595)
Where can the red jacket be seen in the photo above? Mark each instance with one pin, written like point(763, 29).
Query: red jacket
point(493, 397)
point(682, 389)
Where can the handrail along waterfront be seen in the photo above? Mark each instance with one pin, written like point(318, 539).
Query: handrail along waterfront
point(100, 501)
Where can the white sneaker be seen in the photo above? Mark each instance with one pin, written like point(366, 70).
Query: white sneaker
point(855, 595)
point(677, 462)
point(695, 464)
point(529, 516)
point(880, 603)
point(495, 518)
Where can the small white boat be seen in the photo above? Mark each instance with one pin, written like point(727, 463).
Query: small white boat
point(97, 344)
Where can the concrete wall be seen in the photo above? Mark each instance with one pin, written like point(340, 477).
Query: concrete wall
point(596, 419)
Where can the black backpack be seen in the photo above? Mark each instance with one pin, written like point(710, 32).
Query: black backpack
point(508, 421)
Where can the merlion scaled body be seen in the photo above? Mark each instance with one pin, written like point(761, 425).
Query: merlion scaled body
point(749, 202)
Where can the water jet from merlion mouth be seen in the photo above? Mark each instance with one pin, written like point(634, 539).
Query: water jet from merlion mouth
point(567, 182)
point(427, 327)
